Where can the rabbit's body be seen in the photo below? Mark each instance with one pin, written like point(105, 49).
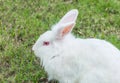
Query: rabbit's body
point(74, 60)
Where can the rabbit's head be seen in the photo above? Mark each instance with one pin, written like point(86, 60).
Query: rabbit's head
point(46, 43)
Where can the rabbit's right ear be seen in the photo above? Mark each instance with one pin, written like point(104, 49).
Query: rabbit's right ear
point(69, 17)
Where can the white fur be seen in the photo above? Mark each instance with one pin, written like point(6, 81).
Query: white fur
point(74, 60)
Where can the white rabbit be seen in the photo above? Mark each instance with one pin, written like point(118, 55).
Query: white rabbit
point(74, 60)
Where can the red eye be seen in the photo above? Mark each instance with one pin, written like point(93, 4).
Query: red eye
point(46, 43)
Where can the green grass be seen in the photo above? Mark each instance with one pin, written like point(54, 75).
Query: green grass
point(22, 21)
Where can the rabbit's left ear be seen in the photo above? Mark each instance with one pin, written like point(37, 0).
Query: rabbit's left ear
point(70, 16)
point(66, 29)
point(67, 23)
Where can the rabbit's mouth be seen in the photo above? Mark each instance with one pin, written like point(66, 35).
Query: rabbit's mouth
point(55, 56)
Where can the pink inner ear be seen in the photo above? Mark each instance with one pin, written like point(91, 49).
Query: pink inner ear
point(67, 29)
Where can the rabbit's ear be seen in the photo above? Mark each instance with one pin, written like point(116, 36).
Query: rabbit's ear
point(66, 24)
point(66, 29)
point(71, 16)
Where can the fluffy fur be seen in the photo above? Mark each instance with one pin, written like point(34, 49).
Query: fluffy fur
point(74, 60)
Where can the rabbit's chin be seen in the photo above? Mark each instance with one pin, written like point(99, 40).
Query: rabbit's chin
point(46, 54)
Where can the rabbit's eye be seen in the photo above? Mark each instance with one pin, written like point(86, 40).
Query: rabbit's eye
point(46, 43)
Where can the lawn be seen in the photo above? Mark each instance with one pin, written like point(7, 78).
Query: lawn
point(22, 21)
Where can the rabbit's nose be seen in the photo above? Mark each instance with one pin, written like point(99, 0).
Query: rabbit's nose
point(33, 48)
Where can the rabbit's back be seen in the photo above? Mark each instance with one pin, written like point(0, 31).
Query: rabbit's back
point(86, 60)
point(85, 57)
point(98, 51)
point(99, 57)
